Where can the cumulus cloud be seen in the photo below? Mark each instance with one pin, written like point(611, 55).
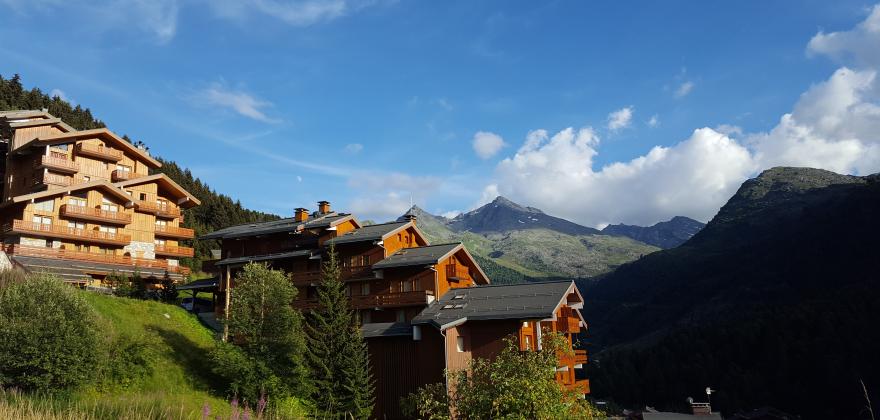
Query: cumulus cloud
point(384, 196)
point(683, 89)
point(487, 144)
point(353, 148)
point(620, 119)
point(834, 125)
point(654, 121)
point(241, 102)
point(861, 45)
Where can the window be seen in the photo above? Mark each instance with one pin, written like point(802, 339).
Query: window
point(43, 220)
point(46, 205)
point(107, 229)
point(76, 201)
point(123, 168)
point(366, 316)
point(358, 261)
point(108, 205)
point(160, 242)
point(365, 288)
point(401, 315)
point(459, 344)
point(528, 342)
point(406, 286)
point(62, 146)
point(161, 223)
point(143, 197)
point(86, 178)
point(348, 291)
point(525, 324)
point(76, 225)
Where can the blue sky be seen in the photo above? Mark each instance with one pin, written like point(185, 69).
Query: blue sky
point(366, 104)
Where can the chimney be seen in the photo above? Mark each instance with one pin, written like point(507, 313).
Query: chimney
point(410, 217)
point(323, 207)
point(300, 214)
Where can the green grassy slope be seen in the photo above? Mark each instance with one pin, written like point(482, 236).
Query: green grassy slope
point(176, 374)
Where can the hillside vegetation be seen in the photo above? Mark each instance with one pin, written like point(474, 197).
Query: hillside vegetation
point(773, 304)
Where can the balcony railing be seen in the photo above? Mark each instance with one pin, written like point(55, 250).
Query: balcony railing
point(577, 357)
point(306, 278)
point(118, 176)
point(176, 251)
point(53, 179)
point(174, 232)
point(65, 232)
point(360, 271)
point(152, 207)
point(455, 272)
point(58, 164)
point(67, 254)
point(385, 300)
point(581, 387)
point(97, 215)
point(99, 152)
point(568, 325)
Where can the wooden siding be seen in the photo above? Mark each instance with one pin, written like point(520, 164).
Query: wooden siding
point(401, 365)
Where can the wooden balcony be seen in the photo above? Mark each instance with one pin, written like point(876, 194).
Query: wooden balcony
point(577, 357)
point(53, 180)
point(67, 254)
point(95, 215)
point(58, 164)
point(99, 152)
point(358, 272)
point(174, 251)
point(64, 232)
point(581, 387)
point(568, 325)
point(386, 300)
point(174, 232)
point(118, 176)
point(306, 278)
point(455, 273)
point(152, 207)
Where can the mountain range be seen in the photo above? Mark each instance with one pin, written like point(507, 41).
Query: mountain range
point(519, 243)
point(668, 234)
point(773, 303)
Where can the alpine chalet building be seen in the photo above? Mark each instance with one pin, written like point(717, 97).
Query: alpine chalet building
point(83, 205)
point(424, 308)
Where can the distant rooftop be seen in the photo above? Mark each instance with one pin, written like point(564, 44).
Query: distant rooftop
point(290, 224)
point(423, 255)
point(537, 300)
point(368, 233)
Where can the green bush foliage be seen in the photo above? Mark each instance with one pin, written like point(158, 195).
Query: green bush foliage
point(516, 385)
point(48, 335)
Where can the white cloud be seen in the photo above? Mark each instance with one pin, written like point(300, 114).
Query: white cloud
point(353, 148)
point(834, 125)
point(61, 95)
point(450, 214)
point(620, 119)
point(654, 121)
point(380, 207)
point(860, 45)
point(294, 12)
point(241, 102)
point(487, 144)
point(683, 89)
point(384, 196)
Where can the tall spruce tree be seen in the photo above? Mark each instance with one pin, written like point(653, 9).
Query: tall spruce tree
point(343, 385)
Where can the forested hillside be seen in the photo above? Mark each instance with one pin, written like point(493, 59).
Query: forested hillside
point(772, 304)
point(217, 210)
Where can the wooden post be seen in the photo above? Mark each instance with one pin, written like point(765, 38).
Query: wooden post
point(226, 305)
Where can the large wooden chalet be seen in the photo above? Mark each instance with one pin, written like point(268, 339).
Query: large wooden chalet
point(424, 308)
point(83, 205)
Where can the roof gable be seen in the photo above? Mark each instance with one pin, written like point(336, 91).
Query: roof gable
point(185, 199)
point(103, 185)
point(101, 133)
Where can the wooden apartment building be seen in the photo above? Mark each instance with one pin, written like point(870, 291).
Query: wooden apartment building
point(82, 204)
point(424, 308)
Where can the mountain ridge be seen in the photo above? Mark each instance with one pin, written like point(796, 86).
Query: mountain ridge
point(668, 234)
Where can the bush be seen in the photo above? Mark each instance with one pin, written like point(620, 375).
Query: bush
point(10, 277)
point(129, 359)
point(48, 337)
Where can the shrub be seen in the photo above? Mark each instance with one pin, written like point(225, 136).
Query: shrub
point(10, 277)
point(129, 359)
point(48, 337)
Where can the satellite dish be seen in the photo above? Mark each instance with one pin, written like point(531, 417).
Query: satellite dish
point(709, 391)
point(690, 400)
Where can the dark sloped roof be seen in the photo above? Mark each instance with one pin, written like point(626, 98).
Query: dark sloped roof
point(368, 233)
point(386, 329)
point(423, 255)
point(210, 283)
point(265, 257)
point(510, 301)
point(276, 226)
point(77, 271)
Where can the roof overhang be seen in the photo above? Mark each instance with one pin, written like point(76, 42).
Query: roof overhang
point(184, 198)
point(103, 185)
point(101, 133)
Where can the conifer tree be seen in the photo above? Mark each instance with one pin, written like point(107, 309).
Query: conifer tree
point(337, 353)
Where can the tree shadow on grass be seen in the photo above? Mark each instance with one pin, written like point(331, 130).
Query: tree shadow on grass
point(194, 358)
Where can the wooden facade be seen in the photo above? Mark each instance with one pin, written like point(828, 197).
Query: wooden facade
point(88, 196)
point(394, 276)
